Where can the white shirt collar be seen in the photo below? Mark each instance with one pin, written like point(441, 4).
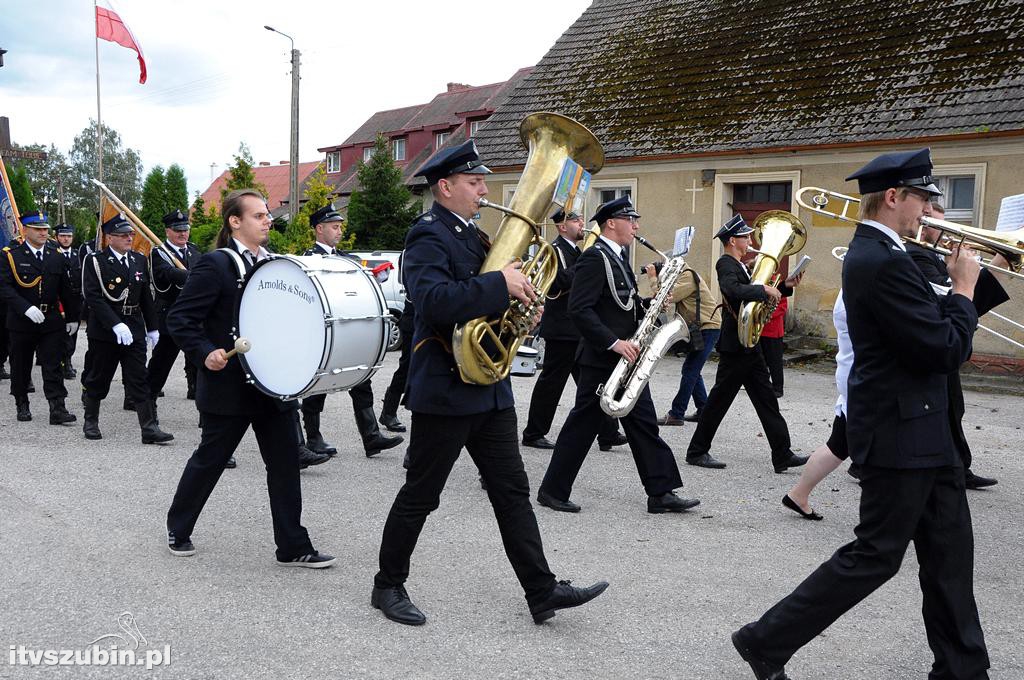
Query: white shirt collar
point(616, 248)
point(574, 245)
point(261, 254)
point(893, 236)
point(35, 251)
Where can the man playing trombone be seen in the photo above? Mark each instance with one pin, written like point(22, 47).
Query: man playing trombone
point(905, 344)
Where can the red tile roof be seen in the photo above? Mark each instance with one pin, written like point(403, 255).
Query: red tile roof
point(273, 177)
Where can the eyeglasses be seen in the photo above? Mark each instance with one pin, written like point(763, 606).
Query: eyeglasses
point(631, 220)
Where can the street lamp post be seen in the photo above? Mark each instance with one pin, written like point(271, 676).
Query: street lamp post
point(293, 184)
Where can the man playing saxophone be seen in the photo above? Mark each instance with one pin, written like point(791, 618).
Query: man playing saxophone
point(740, 366)
point(606, 309)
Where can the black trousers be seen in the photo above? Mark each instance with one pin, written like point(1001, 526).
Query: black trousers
point(4, 338)
point(102, 361)
point(49, 347)
point(559, 364)
point(278, 440)
point(396, 389)
point(362, 397)
point(435, 444)
point(162, 359)
point(773, 349)
point(654, 461)
point(746, 369)
point(70, 344)
point(926, 506)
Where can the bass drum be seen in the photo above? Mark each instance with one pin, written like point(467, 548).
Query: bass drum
point(316, 325)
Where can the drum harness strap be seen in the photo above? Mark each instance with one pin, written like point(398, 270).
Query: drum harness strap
point(239, 263)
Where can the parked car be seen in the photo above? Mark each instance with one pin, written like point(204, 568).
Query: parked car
point(394, 291)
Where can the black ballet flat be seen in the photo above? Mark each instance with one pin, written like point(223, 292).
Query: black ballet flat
point(791, 504)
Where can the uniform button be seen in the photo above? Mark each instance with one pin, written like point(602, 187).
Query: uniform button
point(926, 407)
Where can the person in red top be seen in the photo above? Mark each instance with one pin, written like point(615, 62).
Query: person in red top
point(771, 344)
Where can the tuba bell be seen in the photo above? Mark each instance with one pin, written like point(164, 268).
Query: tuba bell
point(486, 348)
point(780, 234)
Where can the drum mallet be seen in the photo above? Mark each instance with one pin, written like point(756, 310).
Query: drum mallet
point(241, 347)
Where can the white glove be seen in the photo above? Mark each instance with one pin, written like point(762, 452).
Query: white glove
point(35, 314)
point(124, 335)
point(153, 337)
point(71, 327)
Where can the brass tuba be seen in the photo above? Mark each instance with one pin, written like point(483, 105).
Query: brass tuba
point(485, 349)
point(780, 234)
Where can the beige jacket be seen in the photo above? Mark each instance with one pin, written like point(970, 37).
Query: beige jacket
point(684, 294)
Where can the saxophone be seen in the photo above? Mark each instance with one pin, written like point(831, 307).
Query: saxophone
point(627, 381)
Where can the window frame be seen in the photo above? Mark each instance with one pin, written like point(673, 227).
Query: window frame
point(396, 144)
point(333, 161)
point(942, 174)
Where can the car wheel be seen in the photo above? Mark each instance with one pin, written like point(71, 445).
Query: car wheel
point(395, 336)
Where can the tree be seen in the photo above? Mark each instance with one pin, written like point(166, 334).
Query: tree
point(154, 199)
point(122, 169)
point(22, 190)
point(241, 175)
point(46, 178)
point(205, 223)
point(176, 196)
point(381, 210)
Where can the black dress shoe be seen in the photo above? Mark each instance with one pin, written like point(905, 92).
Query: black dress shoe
point(792, 505)
point(307, 457)
point(379, 443)
point(763, 669)
point(539, 443)
point(693, 417)
point(230, 465)
point(391, 422)
point(549, 501)
point(669, 502)
point(394, 602)
point(618, 440)
point(670, 420)
point(706, 461)
point(565, 595)
point(69, 373)
point(791, 462)
point(31, 387)
point(973, 481)
point(24, 414)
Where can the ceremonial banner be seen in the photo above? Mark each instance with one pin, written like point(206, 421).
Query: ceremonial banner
point(10, 225)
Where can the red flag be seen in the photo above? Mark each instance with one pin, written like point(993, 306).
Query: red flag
point(109, 26)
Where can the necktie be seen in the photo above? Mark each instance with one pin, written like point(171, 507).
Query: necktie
point(484, 240)
point(124, 262)
point(39, 256)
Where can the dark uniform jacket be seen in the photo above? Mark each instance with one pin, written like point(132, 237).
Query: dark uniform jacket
point(202, 320)
point(593, 308)
point(75, 272)
point(442, 274)
point(168, 280)
point(556, 324)
point(136, 309)
point(736, 288)
point(25, 282)
point(905, 344)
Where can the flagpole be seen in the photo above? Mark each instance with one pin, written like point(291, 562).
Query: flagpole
point(99, 125)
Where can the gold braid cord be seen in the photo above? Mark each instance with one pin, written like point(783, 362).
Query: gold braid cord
point(17, 278)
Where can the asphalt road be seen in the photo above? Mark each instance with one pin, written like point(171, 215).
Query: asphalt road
point(82, 538)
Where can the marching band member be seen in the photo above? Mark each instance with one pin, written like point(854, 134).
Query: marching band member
point(202, 322)
point(327, 223)
point(443, 254)
point(607, 318)
point(905, 344)
point(168, 280)
point(65, 234)
point(34, 283)
point(115, 282)
point(561, 340)
point(740, 366)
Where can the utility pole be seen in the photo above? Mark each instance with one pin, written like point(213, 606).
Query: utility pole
point(293, 183)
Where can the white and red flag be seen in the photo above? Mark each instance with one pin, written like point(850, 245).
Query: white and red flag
point(110, 26)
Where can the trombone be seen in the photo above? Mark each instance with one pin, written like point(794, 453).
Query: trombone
point(1009, 244)
point(839, 252)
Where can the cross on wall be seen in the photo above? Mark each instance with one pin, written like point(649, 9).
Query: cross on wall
point(694, 190)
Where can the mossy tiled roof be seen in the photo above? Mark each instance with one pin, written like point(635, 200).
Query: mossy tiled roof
point(673, 77)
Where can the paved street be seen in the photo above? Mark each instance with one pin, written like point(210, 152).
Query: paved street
point(82, 537)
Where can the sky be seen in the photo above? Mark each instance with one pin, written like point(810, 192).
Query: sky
point(217, 78)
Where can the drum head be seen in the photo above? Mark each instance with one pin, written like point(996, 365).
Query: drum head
point(281, 314)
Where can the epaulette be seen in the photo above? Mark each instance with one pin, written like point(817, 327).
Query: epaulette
point(424, 217)
point(7, 249)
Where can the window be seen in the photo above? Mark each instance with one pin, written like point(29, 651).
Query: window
point(605, 195)
point(440, 138)
point(767, 192)
point(398, 149)
point(957, 197)
point(367, 153)
point(334, 161)
point(474, 126)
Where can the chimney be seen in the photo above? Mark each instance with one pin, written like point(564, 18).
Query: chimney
point(458, 87)
point(264, 164)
